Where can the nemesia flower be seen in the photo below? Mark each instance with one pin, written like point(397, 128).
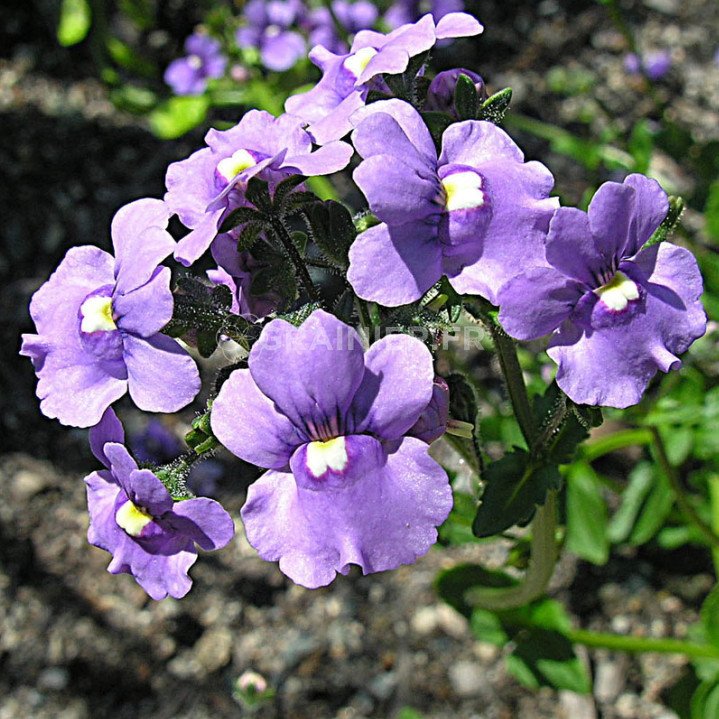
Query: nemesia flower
point(655, 64)
point(617, 312)
point(353, 16)
point(406, 11)
point(432, 423)
point(345, 484)
point(474, 214)
point(267, 29)
point(236, 270)
point(347, 79)
point(189, 75)
point(133, 516)
point(99, 319)
point(440, 96)
point(212, 181)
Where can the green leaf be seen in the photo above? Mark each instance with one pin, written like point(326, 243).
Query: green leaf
point(457, 528)
point(514, 488)
point(239, 217)
point(179, 115)
point(547, 658)
point(75, 22)
point(487, 627)
point(711, 211)
point(466, 102)
point(586, 515)
point(249, 234)
point(297, 201)
point(495, 107)
point(285, 187)
point(710, 616)
point(258, 194)
point(452, 584)
point(132, 98)
point(462, 398)
point(128, 58)
point(705, 702)
point(332, 229)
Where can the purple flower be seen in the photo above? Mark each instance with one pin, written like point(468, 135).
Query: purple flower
point(268, 30)
point(99, 319)
point(440, 96)
point(655, 64)
point(236, 270)
point(353, 16)
point(189, 75)
point(402, 12)
point(617, 312)
point(202, 189)
point(133, 516)
point(347, 79)
point(474, 214)
point(345, 484)
point(432, 423)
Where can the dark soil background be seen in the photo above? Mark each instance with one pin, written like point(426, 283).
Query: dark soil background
point(76, 642)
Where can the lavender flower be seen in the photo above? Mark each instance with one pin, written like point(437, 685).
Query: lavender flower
point(406, 11)
point(204, 61)
point(474, 214)
point(268, 30)
point(202, 189)
point(617, 312)
point(655, 64)
point(440, 96)
point(237, 270)
point(347, 79)
point(345, 484)
point(133, 516)
point(432, 423)
point(99, 319)
point(352, 16)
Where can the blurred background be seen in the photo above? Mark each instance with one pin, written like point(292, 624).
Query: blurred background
point(86, 125)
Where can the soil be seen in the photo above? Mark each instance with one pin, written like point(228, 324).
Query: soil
point(76, 642)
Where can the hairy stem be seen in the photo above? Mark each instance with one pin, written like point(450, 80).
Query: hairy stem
point(299, 264)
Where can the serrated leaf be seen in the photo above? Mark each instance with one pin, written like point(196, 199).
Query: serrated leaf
point(462, 398)
point(466, 102)
point(333, 230)
point(248, 235)
point(297, 201)
point(206, 342)
point(258, 194)
point(495, 107)
point(514, 488)
point(239, 217)
point(285, 187)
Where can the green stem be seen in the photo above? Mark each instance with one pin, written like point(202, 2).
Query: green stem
point(541, 565)
point(621, 643)
point(300, 267)
point(714, 504)
point(685, 506)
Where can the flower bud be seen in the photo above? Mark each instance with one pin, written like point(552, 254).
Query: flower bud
point(440, 96)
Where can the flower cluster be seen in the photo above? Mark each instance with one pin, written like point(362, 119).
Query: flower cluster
point(342, 424)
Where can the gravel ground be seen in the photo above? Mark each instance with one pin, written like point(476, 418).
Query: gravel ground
point(76, 642)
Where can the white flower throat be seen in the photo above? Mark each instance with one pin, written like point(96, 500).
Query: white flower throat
point(96, 314)
point(322, 456)
point(618, 293)
point(232, 166)
point(462, 191)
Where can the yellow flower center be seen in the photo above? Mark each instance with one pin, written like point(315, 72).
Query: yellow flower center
point(463, 191)
point(132, 519)
point(322, 456)
point(232, 166)
point(358, 61)
point(97, 315)
point(617, 294)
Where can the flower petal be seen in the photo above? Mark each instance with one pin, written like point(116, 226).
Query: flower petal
point(146, 310)
point(204, 521)
point(108, 429)
point(382, 520)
